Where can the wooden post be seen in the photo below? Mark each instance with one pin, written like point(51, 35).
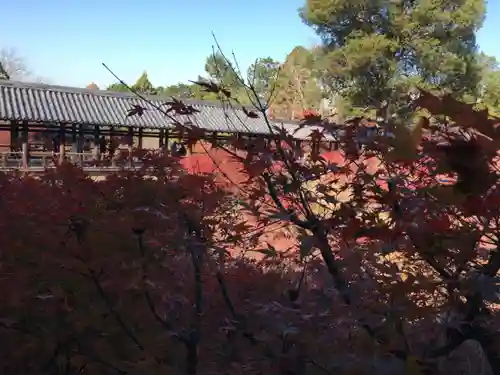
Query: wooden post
point(112, 146)
point(161, 142)
point(62, 143)
point(214, 139)
point(130, 144)
point(166, 139)
point(74, 142)
point(5, 160)
point(25, 155)
point(97, 149)
point(14, 136)
point(140, 136)
point(25, 146)
point(81, 141)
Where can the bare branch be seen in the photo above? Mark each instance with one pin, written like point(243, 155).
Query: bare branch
point(13, 66)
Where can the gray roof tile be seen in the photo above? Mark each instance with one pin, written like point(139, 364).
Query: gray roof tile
point(46, 103)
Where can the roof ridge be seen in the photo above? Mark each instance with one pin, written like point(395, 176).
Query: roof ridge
point(107, 93)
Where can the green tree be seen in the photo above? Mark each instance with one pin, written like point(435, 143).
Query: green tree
point(178, 91)
point(220, 70)
point(296, 87)
point(490, 83)
point(199, 93)
point(375, 49)
point(117, 87)
point(187, 91)
point(143, 85)
point(262, 76)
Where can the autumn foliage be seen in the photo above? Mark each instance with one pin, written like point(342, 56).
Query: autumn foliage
point(389, 266)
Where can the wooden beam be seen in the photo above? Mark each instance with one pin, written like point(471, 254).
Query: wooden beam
point(156, 133)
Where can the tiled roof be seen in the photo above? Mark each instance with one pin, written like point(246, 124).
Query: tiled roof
point(48, 104)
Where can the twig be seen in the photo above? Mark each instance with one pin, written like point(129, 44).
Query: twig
point(149, 298)
point(128, 332)
point(195, 240)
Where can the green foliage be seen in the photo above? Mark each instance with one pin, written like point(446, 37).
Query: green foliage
point(117, 87)
point(490, 83)
point(374, 49)
point(221, 70)
point(143, 85)
point(297, 88)
point(179, 91)
point(262, 75)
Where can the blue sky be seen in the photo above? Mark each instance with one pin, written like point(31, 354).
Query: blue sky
point(65, 42)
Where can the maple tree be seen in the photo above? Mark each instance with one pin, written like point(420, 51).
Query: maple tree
point(380, 257)
point(417, 225)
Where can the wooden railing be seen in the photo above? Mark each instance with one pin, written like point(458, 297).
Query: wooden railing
point(42, 160)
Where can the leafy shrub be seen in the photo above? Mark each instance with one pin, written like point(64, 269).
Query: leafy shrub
point(137, 274)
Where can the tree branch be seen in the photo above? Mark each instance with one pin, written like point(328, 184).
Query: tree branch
point(128, 332)
point(147, 295)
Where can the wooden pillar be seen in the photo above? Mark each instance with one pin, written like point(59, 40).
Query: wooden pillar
point(112, 144)
point(214, 139)
point(26, 155)
point(74, 142)
point(25, 145)
point(97, 149)
point(162, 138)
point(80, 143)
point(140, 136)
point(166, 139)
point(14, 136)
point(181, 137)
point(130, 144)
point(62, 143)
point(315, 147)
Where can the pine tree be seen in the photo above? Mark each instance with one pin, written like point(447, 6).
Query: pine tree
point(374, 50)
